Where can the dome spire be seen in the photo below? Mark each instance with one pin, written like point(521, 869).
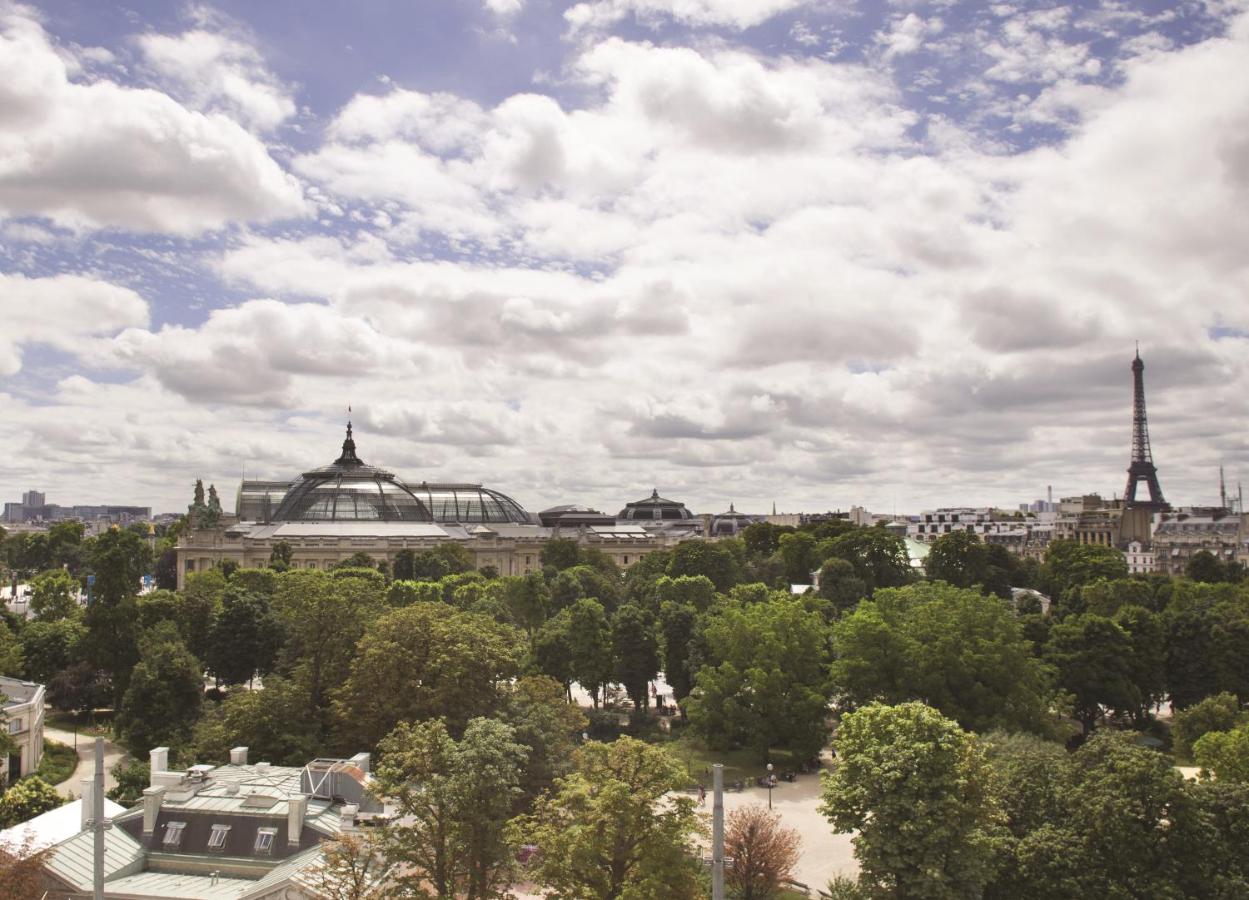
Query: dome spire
point(349, 457)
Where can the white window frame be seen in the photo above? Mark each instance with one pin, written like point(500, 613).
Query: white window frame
point(217, 838)
point(173, 835)
point(15, 726)
point(265, 847)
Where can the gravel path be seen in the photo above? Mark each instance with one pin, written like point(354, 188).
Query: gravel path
point(86, 760)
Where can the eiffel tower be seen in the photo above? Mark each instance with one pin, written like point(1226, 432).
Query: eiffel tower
point(1142, 467)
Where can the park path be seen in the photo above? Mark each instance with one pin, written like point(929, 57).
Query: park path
point(86, 760)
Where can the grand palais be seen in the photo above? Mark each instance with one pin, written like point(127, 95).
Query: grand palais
point(328, 514)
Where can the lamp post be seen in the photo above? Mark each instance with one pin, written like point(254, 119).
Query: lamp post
point(769, 785)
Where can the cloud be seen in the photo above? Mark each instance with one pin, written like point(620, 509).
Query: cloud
point(739, 14)
point(219, 72)
point(61, 311)
point(93, 155)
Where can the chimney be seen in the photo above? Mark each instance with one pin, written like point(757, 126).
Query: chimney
point(297, 808)
point(238, 756)
point(160, 763)
point(348, 815)
point(151, 807)
point(88, 791)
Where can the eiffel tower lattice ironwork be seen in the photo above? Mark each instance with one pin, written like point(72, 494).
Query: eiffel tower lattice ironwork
point(1142, 466)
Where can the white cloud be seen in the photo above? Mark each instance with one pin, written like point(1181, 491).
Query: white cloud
point(62, 311)
point(740, 14)
point(102, 155)
point(215, 71)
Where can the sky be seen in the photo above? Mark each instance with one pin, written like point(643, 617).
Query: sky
point(810, 253)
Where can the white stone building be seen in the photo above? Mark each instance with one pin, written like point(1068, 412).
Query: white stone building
point(21, 717)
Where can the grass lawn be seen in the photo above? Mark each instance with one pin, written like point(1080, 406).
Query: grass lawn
point(739, 765)
point(58, 762)
point(98, 724)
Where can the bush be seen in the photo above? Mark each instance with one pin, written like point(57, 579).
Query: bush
point(1219, 712)
point(58, 762)
point(26, 799)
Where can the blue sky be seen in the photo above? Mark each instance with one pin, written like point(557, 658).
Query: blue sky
point(817, 253)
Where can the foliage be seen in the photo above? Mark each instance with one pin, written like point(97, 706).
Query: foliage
point(711, 559)
point(405, 593)
point(201, 601)
point(118, 559)
point(960, 651)
point(798, 556)
point(609, 831)
point(1220, 712)
point(916, 788)
point(549, 726)
point(245, 638)
point(589, 645)
point(878, 556)
point(763, 851)
point(165, 692)
point(79, 688)
point(132, 777)
point(635, 647)
point(22, 872)
point(1092, 656)
point(272, 723)
point(353, 867)
point(560, 553)
point(54, 595)
point(840, 585)
point(453, 799)
point(528, 599)
point(27, 798)
point(421, 662)
point(1069, 566)
point(11, 662)
point(1205, 567)
point(1224, 754)
point(691, 590)
point(57, 763)
point(765, 681)
point(677, 623)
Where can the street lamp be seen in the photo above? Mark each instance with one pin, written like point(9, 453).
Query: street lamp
point(769, 785)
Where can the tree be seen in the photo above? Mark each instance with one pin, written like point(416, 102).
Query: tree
point(957, 649)
point(54, 595)
point(118, 559)
point(763, 851)
point(132, 776)
point(677, 623)
point(959, 558)
point(916, 788)
point(1224, 754)
point(50, 647)
point(765, 681)
point(80, 688)
point(714, 560)
point(797, 552)
point(878, 557)
point(545, 723)
point(1147, 660)
point(245, 638)
point(353, 867)
point(529, 599)
point(453, 798)
point(272, 723)
point(11, 662)
point(25, 799)
point(165, 571)
point(691, 590)
point(201, 602)
point(1220, 712)
point(1069, 566)
point(840, 585)
point(165, 692)
point(609, 831)
point(1093, 658)
point(636, 651)
point(280, 555)
point(21, 870)
point(560, 553)
point(1205, 567)
point(421, 662)
point(589, 643)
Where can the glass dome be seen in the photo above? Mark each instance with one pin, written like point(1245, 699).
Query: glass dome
point(655, 508)
point(469, 503)
point(347, 490)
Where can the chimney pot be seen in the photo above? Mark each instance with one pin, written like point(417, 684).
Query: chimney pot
point(348, 816)
point(151, 807)
point(160, 762)
point(88, 791)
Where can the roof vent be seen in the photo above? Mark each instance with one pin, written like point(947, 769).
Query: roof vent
point(232, 789)
point(262, 767)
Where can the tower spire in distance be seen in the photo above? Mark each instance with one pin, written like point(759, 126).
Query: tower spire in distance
point(1142, 466)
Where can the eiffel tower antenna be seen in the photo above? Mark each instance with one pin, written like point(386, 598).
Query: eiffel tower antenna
point(1222, 490)
point(1142, 466)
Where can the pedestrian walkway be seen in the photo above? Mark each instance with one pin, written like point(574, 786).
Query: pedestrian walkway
point(86, 760)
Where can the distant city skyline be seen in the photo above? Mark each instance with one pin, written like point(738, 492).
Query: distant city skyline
point(798, 252)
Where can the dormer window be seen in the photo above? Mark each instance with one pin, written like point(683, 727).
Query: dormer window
point(173, 835)
point(264, 841)
point(217, 840)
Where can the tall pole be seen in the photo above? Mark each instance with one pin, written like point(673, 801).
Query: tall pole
point(97, 819)
point(717, 832)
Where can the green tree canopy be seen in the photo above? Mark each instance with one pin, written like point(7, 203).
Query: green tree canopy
point(272, 723)
point(878, 556)
point(712, 559)
point(27, 798)
point(1220, 712)
point(1093, 658)
point(765, 681)
point(635, 647)
point(246, 638)
point(164, 696)
point(421, 662)
point(962, 652)
point(609, 830)
point(50, 647)
point(917, 790)
point(54, 595)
